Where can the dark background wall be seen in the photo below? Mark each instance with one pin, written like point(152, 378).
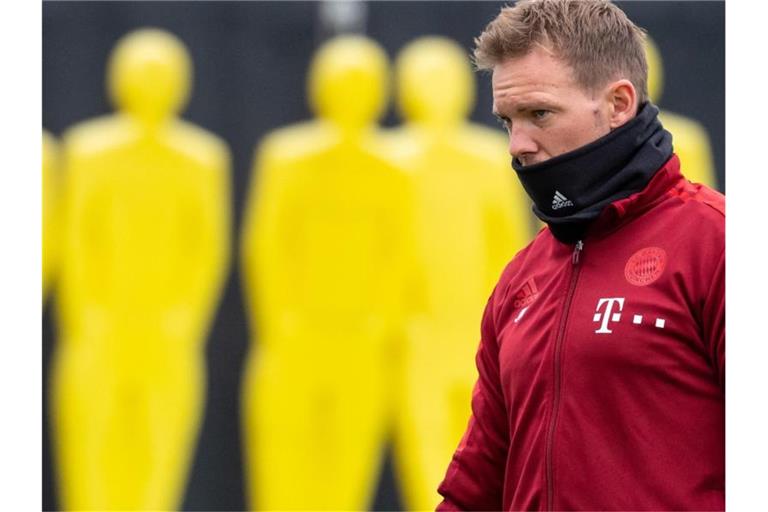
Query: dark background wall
point(250, 63)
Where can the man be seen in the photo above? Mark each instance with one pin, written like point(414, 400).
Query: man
point(601, 361)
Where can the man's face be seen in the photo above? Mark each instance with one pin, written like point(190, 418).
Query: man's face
point(544, 110)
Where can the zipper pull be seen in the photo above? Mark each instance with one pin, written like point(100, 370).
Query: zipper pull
point(577, 251)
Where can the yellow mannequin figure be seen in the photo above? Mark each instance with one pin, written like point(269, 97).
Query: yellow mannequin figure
point(323, 260)
point(51, 224)
point(145, 256)
point(690, 139)
point(472, 218)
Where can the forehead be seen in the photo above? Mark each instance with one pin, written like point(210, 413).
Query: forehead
point(536, 75)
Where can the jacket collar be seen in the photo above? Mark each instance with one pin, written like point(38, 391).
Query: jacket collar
point(620, 212)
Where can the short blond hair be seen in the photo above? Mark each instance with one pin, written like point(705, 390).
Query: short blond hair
point(594, 37)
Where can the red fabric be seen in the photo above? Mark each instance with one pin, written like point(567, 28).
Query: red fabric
point(573, 411)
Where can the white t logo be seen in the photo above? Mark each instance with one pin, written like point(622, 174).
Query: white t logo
point(609, 315)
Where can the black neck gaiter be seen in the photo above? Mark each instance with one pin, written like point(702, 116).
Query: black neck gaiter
point(570, 190)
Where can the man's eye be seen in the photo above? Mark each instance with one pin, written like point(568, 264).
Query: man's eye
point(540, 114)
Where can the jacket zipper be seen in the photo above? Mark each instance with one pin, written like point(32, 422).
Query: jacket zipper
point(558, 349)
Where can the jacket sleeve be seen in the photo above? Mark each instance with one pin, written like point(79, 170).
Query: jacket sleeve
point(475, 477)
point(714, 320)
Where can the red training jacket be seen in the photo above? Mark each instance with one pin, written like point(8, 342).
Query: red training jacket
point(602, 365)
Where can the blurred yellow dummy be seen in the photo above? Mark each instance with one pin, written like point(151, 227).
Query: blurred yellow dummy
point(690, 139)
point(145, 256)
point(472, 218)
point(51, 215)
point(323, 259)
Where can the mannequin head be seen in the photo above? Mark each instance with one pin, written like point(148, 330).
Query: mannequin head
point(435, 83)
point(348, 82)
point(149, 75)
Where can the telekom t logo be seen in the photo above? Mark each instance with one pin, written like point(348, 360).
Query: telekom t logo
point(604, 318)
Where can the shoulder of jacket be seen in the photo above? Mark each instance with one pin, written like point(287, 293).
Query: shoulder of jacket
point(698, 216)
point(542, 238)
point(711, 198)
point(693, 194)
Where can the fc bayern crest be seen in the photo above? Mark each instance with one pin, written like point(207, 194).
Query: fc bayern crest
point(645, 266)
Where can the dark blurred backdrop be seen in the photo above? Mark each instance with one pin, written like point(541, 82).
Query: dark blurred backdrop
point(250, 61)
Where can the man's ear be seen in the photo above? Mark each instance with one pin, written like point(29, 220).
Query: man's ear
point(622, 102)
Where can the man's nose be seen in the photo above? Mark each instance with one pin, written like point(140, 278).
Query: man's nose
point(520, 143)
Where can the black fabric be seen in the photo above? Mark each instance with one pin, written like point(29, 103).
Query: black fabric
point(570, 190)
